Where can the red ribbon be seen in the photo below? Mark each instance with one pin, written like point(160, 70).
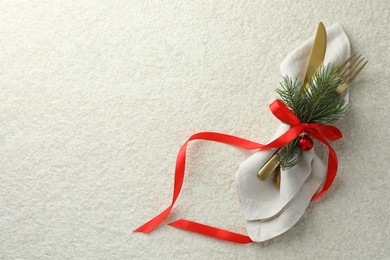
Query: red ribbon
point(281, 111)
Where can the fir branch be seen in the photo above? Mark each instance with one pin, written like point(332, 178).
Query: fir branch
point(287, 156)
point(319, 104)
point(322, 103)
point(289, 93)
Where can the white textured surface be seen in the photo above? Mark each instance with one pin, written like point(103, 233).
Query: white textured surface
point(97, 97)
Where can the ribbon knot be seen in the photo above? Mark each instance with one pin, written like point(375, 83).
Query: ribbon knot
point(318, 131)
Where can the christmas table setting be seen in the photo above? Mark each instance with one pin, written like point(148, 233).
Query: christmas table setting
point(214, 130)
point(311, 96)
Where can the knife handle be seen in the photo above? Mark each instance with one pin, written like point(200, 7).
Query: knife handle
point(277, 178)
point(269, 167)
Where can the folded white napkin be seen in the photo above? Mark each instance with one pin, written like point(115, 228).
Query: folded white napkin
point(270, 211)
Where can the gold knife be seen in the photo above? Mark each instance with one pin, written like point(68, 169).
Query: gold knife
point(317, 54)
point(316, 59)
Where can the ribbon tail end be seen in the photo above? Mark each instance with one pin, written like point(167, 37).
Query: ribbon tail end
point(143, 229)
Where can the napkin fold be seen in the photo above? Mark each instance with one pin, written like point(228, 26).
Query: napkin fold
point(270, 211)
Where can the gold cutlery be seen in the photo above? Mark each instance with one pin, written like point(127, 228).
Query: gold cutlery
point(316, 58)
point(349, 69)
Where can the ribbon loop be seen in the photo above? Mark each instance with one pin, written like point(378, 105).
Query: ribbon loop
point(283, 113)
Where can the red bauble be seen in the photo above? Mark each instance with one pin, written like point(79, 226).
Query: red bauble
point(305, 143)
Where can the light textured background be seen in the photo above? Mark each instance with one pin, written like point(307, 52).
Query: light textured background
point(97, 97)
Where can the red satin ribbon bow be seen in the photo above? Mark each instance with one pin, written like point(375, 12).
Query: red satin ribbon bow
point(281, 111)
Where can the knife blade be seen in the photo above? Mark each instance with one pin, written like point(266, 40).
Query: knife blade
point(317, 54)
point(316, 58)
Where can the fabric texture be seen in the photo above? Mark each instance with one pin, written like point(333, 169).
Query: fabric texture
point(268, 210)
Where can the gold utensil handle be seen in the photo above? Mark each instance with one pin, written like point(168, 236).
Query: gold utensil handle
point(277, 178)
point(269, 167)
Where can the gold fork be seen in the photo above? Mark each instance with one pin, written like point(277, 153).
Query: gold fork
point(348, 69)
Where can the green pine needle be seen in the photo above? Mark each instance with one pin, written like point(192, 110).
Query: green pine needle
point(288, 154)
point(320, 104)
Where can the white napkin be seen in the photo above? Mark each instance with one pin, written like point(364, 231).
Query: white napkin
point(270, 211)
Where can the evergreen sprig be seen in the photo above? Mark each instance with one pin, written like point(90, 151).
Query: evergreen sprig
point(319, 104)
point(288, 154)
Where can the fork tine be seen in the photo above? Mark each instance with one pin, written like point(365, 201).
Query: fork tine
point(350, 78)
point(341, 66)
point(345, 71)
point(352, 68)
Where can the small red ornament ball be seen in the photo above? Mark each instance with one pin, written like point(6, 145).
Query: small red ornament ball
point(305, 143)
